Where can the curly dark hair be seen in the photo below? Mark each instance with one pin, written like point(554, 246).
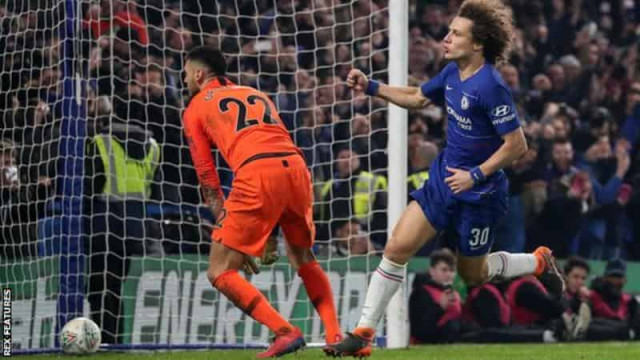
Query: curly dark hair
point(492, 27)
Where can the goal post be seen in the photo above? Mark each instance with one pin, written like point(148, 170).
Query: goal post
point(397, 311)
point(69, 216)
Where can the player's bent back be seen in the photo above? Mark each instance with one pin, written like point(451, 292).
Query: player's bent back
point(241, 121)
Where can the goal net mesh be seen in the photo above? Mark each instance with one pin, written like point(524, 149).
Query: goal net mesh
point(145, 232)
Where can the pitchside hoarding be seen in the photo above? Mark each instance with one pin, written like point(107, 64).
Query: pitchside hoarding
point(170, 300)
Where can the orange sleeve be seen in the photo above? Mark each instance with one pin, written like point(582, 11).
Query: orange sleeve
point(200, 148)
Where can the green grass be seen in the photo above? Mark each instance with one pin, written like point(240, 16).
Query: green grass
point(579, 351)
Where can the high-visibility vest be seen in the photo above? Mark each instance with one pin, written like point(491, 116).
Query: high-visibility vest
point(419, 178)
point(126, 178)
point(366, 186)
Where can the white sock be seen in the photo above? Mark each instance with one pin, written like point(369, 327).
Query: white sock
point(385, 281)
point(505, 265)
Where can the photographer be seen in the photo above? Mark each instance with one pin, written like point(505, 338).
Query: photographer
point(615, 313)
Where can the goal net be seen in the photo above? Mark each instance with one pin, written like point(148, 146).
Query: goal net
point(101, 210)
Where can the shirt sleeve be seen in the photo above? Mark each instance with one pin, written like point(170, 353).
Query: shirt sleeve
point(501, 110)
point(434, 88)
point(200, 148)
point(532, 298)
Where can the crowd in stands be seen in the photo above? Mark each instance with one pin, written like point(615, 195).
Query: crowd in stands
point(573, 74)
point(524, 309)
point(572, 71)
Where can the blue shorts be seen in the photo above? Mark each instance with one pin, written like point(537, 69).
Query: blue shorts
point(472, 214)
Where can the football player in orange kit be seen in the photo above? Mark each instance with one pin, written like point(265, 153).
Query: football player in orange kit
point(271, 185)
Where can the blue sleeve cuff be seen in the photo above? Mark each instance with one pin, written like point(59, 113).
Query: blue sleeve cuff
point(372, 88)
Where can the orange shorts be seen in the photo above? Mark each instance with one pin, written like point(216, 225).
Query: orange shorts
point(264, 193)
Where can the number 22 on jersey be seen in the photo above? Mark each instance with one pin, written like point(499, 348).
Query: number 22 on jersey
point(248, 107)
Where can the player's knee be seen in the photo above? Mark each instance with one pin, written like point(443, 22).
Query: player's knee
point(397, 251)
point(214, 271)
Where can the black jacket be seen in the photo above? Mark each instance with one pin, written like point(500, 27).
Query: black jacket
point(424, 314)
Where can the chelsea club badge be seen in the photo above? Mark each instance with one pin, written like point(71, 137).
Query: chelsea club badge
point(464, 103)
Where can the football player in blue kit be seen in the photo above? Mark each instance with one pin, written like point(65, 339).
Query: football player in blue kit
point(467, 188)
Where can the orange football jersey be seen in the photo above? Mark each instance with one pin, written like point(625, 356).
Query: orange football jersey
point(239, 120)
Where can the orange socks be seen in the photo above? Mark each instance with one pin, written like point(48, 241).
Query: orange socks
point(250, 300)
point(319, 290)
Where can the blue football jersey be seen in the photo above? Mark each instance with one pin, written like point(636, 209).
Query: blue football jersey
point(480, 111)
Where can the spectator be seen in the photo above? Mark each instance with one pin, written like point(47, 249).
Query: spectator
point(577, 81)
point(489, 315)
point(435, 309)
point(125, 14)
point(631, 126)
point(159, 113)
point(485, 307)
point(355, 192)
point(599, 126)
point(360, 134)
point(535, 312)
point(37, 134)
point(16, 234)
point(613, 310)
point(605, 208)
point(558, 82)
point(347, 239)
point(510, 75)
point(434, 22)
point(539, 94)
point(576, 296)
point(526, 192)
point(421, 155)
point(561, 216)
point(530, 302)
point(121, 165)
point(576, 272)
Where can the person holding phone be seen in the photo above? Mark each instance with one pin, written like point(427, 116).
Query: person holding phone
point(435, 309)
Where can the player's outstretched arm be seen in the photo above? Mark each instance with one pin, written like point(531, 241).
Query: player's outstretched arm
point(404, 96)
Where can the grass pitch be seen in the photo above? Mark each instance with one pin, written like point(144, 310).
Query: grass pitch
point(578, 351)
